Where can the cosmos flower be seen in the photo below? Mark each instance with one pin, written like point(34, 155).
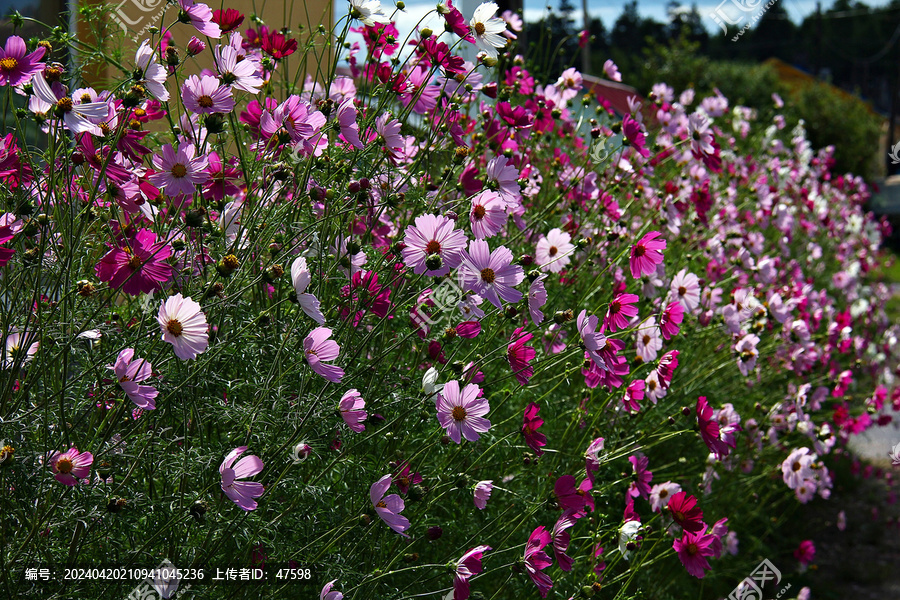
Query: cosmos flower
point(70, 466)
point(240, 492)
point(130, 372)
point(328, 592)
point(487, 29)
point(351, 408)
point(16, 66)
point(433, 246)
point(200, 16)
point(640, 486)
point(646, 254)
point(206, 95)
point(389, 507)
point(483, 493)
point(560, 538)
point(183, 325)
point(487, 214)
point(520, 356)
point(301, 276)
point(594, 342)
point(684, 510)
point(137, 267)
point(320, 350)
point(553, 253)
point(13, 353)
point(536, 560)
point(491, 275)
point(692, 550)
point(369, 12)
point(79, 117)
point(468, 565)
point(154, 79)
point(661, 493)
point(179, 171)
point(461, 412)
point(240, 73)
point(620, 312)
point(530, 424)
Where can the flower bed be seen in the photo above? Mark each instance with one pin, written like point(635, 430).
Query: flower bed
point(426, 329)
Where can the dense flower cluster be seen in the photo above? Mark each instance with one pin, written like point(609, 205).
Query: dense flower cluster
point(283, 267)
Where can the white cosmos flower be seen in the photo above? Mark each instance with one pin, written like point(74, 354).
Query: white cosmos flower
point(488, 29)
point(368, 12)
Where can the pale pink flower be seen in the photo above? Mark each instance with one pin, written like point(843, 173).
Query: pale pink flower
point(183, 325)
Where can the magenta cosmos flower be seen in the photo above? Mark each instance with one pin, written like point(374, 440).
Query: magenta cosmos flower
point(320, 350)
point(468, 565)
point(718, 441)
point(683, 508)
point(536, 560)
point(646, 254)
point(351, 407)
point(520, 356)
point(17, 67)
point(70, 466)
point(184, 326)
point(388, 507)
point(241, 493)
point(205, 95)
point(561, 538)
point(620, 311)
point(200, 16)
point(179, 171)
point(461, 412)
point(433, 246)
point(130, 372)
point(491, 275)
point(642, 476)
point(531, 422)
point(137, 268)
point(692, 549)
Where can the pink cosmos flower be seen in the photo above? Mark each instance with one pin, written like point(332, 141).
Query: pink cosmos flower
point(537, 297)
point(536, 560)
point(365, 294)
point(487, 214)
point(571, 497)
point(553, 253)
point(611, 71)
point(649, 340)
point(684, 510)
point(642, 476)
point(592, 457)
point(200, 16)
point(711, 432)
point(560, 538)
point(661, 493)
point(634, 393)
point(79, 117)
point(520, 356)
point(320, 350)
point(389, 507)
point(468, 565)
point(154, 74)
point(351, 408)
point(620, 312)
point(747, 353)
point(238, 72)
point(461, 413)
point(241, 493)
point(205, 95)
point(139, 267)
point(646, 254)
point(183, 325)
point(805, 552)
point(70, 466)
point(797, 467)
point(670, 320)
point(432, 245)
point(346, 117)
point(594, 342)
point(17, 67)
point(13, 354)
point(692, 549)
point(530, 424)
point(179, 171)
point(685, 289)
point(130, 371)
point(328, 593)
point(665, 370)
point(301, 277)
point(635, 137)
point(483, 491)
point(491, 275)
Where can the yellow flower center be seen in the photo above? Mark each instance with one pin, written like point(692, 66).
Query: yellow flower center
point(174, 327)
point(487, 275)
point(205, 101)
point(459, 413)
point(179, 170)
point(479, 28)
point(8, 64)
point(64, 466)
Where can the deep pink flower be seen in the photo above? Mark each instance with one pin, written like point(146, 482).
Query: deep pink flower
point(70, 466)
point(200, 16)
point(461, 412)
point(404, 478)
point(277, 45)
point(468, 329)
point(468, 565)
point(130, 372)
point(710, 431)
point(228, 20)
point(17, 67)
point(138, 267)
point(491, 275)
point(646, 254)
point(179, 172)
point(670, 320)
point(805, 552)
point(635, 137)
point(642, 476)
point(561, 538)
point(692, 549)
point(684, 510)
point(571, 497)
point(320, 350)
point(351, 408)
point(536, 560)
point(520, 356)
point(433, 245)
point(620, 312)
point(456, 21)
point(665, 370)
point(241, 493)
point(365, 295)
point(530, 424)
point(183, 325)
point(389, 507)
point(633, 393)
